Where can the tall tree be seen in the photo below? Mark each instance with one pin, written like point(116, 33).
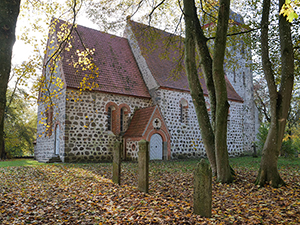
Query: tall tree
point(194, 32)
point(279, 97)
point(215, 140)
point(9, 11)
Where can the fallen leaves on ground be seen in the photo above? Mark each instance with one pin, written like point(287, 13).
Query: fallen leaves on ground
point(85, 194)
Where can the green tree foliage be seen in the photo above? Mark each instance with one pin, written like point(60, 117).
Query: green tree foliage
point(262, 136)
point(20, 125)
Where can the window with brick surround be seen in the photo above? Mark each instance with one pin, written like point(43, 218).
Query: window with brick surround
point(124, 119)
point(109, 119)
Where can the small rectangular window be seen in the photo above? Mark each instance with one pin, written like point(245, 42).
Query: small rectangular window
point(181, 113)
point(109, 119)
point(121, 119)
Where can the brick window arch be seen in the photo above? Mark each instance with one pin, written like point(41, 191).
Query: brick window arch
point(183, 104)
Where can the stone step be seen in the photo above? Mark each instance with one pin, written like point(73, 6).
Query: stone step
point(54, 159)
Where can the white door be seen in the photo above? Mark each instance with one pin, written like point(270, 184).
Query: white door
point(57, 141)
point(156, 147)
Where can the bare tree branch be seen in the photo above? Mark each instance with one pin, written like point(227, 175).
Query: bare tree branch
point(238, 33)
point(264, 107)
point(155, 7)
point(137, 9)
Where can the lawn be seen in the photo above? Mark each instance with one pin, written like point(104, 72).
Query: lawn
point(19, 162)
point(84, 194)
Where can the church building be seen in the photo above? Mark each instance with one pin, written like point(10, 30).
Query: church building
point(107, 88)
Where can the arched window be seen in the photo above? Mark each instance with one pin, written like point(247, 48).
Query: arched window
point(122, 119)
point(111, 114)
point(124, 110)
point(109, 119)
point(183, 104)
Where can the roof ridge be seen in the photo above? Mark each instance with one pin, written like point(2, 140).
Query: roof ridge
point(85, 27)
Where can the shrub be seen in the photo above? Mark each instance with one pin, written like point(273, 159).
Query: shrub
point(288, 149)
point(262, 136)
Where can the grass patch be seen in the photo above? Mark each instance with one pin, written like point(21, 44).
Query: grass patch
point(168, 166)
point(254, 163)
point(20, 162)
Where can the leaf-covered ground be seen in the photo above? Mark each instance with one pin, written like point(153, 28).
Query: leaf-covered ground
point(84, 194)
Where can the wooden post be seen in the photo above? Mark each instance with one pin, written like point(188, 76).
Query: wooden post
point(143, 160)
point(203, 189)
point(116, 176)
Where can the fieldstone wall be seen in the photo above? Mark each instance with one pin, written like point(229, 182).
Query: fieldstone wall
point(186, 141)
point(235, 136)
point(45, 144)
point(87, 137)
point(240, 76)
point(132, 149)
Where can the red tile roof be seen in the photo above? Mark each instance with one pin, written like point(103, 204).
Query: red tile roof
point(164, 54)
point(118, 71)
point(139, 122)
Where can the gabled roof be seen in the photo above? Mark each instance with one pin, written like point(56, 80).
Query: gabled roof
point(164, 54)
point(139, 122)
point(118, 71)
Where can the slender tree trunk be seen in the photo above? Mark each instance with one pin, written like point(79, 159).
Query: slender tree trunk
point(279, 101)
point(287, 77)
point(206, 64)
point(9, 11)
point(268, 172)
point(224, 174)
point(194, 84)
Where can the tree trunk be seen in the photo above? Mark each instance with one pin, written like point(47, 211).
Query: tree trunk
point(287, 73)
point(279, 101)
point(195, 86)
point(268, 172)
point(206, 64)
point(224, 174)
point(9, 11)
